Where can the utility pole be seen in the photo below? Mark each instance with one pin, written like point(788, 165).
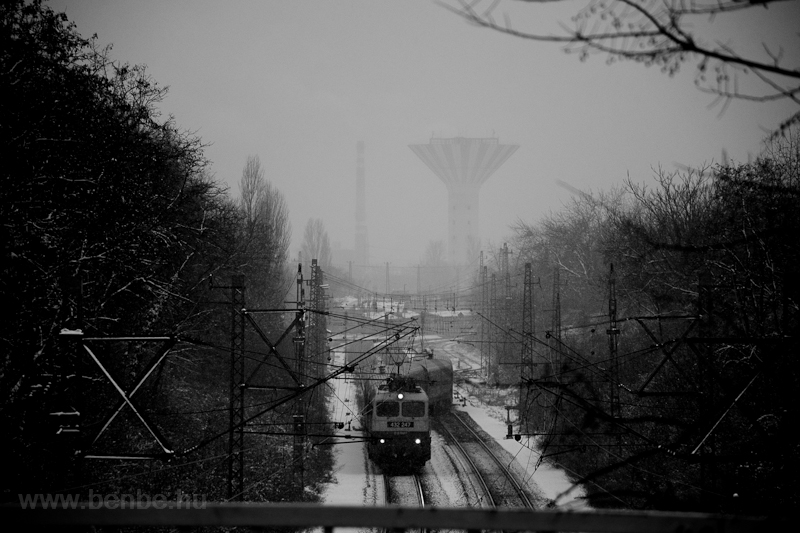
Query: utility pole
point(484, 311)
point(707, 328)
point(237, 390)
point(613, 336)
point(422, 317)
point(479, 305)
point(528, 323)
point(505, 370)
point(493, 333)
point(554, 371)
point(506, 272)
point(458, 289)
point(526, 354)
point(316, 325)
point(555, 326)
point(299, 416)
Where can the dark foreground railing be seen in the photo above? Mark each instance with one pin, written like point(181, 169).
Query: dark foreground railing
point(386, 518)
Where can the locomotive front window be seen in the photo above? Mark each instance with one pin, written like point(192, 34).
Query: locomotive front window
point(414, 409)
point(388, 409)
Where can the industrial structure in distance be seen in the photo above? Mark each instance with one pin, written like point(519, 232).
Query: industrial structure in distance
point(463, 164)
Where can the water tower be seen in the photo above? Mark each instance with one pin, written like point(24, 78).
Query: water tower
point(463, 164)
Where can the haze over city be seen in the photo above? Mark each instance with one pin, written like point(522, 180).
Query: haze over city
point(300, 83)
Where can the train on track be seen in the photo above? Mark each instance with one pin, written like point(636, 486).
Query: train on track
point(398, 410)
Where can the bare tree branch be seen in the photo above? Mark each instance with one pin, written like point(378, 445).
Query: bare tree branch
point(658, 32)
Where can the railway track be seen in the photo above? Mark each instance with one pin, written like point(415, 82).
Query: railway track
point(488, 500)
point(404, 490)
point(500, 486)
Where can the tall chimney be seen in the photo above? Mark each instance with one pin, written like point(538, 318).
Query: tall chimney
point(361, 247)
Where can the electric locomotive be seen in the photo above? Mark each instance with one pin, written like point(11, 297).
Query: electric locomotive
point(398, 412)
point(398, 424)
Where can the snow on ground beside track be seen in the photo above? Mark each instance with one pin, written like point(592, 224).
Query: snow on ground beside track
point(550, 481)
point(355, 483)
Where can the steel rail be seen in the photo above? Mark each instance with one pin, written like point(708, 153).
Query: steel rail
point(484, 487)
point(511, 478)
point(420, 493)
point(392, 498)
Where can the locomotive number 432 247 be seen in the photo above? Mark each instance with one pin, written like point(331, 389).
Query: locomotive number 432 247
point(401, 424)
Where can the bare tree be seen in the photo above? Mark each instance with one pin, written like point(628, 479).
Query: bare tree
point(434, 254)
point(704, 254)
point(251, 187)
point(666, 34)
point(266, 233)
point(316, 244)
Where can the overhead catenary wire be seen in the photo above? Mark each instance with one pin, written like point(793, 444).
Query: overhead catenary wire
point(285, 399)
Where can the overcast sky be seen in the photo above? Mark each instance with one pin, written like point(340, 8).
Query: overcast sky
point(298, 83)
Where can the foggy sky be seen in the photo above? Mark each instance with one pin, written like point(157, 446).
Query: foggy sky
point(299, 83)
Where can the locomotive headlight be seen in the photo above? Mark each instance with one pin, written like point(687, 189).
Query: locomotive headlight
point(399, 395)
point(382, 441)
point(418, 441)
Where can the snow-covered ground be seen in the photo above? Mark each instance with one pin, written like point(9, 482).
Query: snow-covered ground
point(355, 480)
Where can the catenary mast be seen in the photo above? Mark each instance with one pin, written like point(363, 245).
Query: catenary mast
point(463, 164)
